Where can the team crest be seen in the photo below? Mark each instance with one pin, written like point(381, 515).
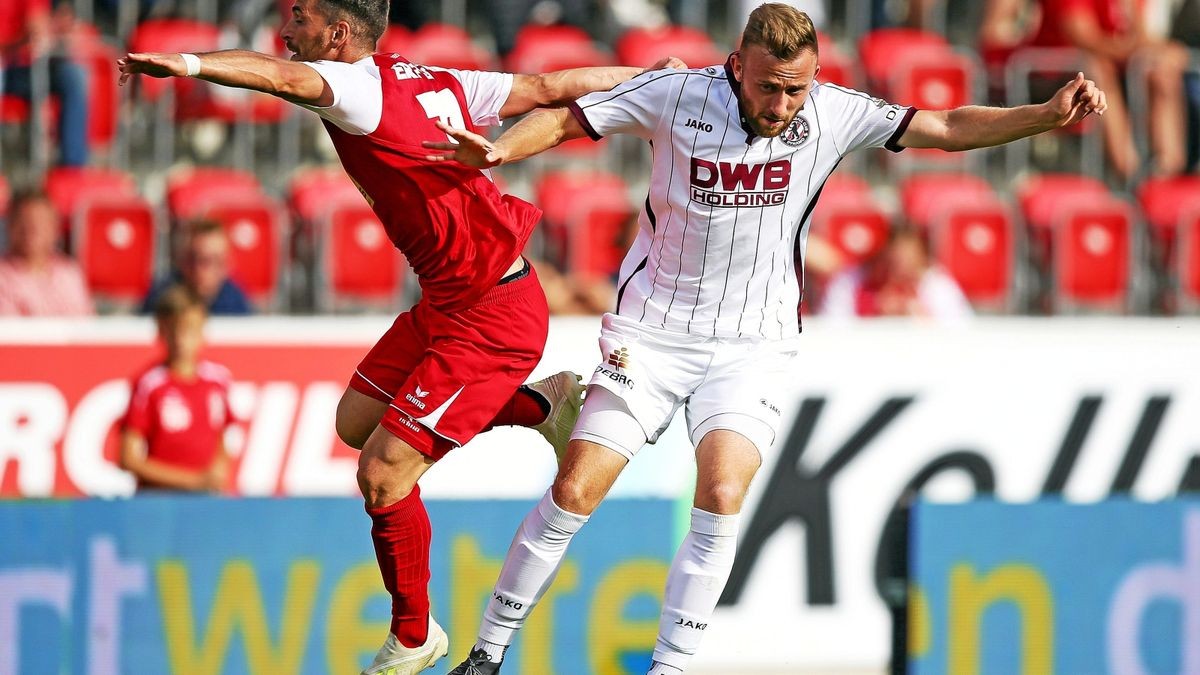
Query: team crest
point(796, 133)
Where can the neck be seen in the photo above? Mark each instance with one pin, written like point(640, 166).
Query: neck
point(36, 261)
point(182, 368)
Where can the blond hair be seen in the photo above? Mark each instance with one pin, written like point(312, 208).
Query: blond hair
point(176, 300)
point(783, 30)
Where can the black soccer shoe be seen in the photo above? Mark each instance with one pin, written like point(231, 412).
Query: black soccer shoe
point(478, 663)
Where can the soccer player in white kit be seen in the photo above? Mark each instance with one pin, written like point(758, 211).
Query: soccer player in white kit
point(706, 315)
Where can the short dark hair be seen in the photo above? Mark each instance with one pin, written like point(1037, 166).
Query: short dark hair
point(176, 300)
point(21, 198)
point(368, 18)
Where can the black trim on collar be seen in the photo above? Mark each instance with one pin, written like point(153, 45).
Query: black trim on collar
point(737, 94)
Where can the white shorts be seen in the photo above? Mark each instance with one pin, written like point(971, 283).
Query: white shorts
point(724, 383)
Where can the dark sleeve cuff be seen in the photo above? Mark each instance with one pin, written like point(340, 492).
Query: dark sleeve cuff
point(893, 143)
point(583, 120)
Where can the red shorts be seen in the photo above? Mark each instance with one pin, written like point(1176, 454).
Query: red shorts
point(446, 376)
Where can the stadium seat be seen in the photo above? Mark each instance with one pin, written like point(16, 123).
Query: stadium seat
point(543, 49)
point(1165, 201)
point(1043, 198)
point(172, 35)
point(71, 187)
point(836, 67)
point(848, 217)
point(314, 191)
point(932, 80)
point(1188, 265)
point(566, 197)
point(193, 192)
point(1092, 255)
point(974, 243)
point(396, 40)
point(643, 47)
point(359, 267)
point(881, 50)
point(114, 239)
point(924, 196)
point(254, 227)
point(439, 44)
point(596, 240)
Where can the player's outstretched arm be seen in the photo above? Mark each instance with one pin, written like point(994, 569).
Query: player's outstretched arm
point(289, 80)
point(536, 133)
point(972, 127)
point(134, 460)
point(559, 88)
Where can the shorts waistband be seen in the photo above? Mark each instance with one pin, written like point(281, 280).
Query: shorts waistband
point(518, 284)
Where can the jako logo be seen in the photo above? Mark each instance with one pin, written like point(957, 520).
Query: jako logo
point(619, 358)
point(740, 184)
point(698, 124)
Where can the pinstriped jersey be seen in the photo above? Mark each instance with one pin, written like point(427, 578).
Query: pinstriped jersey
point(725, 222)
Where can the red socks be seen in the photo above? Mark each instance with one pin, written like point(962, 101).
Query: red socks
point(401, 534)
point(526, 408)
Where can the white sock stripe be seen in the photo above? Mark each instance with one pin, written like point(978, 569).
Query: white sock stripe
point(557, 518)
point(714, 524)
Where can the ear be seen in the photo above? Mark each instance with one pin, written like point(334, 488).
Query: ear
point(736, 59)
point(341, 33)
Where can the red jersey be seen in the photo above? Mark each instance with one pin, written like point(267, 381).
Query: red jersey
point(1114, 17)
point(181, 420)
point(459, 233)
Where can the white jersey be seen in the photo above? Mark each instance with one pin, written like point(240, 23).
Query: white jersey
point(728, 212)
point(358, 95)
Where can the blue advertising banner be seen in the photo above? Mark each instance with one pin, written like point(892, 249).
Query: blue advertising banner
point(1050, 587)
point(206, 585)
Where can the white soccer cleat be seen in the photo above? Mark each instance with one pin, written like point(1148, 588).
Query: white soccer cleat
point(564, 391)
point(394, 658)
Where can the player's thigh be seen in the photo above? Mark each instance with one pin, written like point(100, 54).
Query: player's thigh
point(357, 417)
point(726, 462)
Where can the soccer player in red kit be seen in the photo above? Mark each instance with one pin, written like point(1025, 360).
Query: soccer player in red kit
point(453, 365)
point(173, 434)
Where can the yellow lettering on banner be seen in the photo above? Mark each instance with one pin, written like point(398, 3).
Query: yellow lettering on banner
point(920, 623)
point(970, 596)
point(347, 636)
point(237, 603)
point(611, 633)
point(472, 577)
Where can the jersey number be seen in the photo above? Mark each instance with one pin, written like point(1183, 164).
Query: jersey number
point(441, 105)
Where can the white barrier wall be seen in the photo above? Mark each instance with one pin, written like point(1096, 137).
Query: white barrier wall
point(1081, 407)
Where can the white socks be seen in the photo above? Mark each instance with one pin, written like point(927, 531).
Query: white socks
point(697, 578)
point(533, 559)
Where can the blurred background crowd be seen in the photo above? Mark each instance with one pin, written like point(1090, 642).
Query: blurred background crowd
point(112, 195)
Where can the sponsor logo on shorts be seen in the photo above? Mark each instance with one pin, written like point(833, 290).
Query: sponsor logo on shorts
point(615, 376)
point(407, 421)
point(619, 358)
point(416, 400)
point(769, 406)
point(506, 602)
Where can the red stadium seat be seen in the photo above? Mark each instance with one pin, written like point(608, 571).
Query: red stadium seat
point(543, 49)
point(881, 50)
point(566, 197)
point(932, 80)
point(1165, 201)
point(71, 187)
point(596, 242)
point(114, 240)
point(172, 35)
point(643, 47)
point(924, 197)
point(254, 228)
point(359, 265)
point(1092, 254)
point(396, 40)
point(315, 191)
point(1188, 266)
point(974, 244)
point(193, 192)
point(1043, 198)
point(836, 67)
point(439, 44)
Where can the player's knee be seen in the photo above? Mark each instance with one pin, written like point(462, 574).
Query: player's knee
point(723, 496)
point(574, 495)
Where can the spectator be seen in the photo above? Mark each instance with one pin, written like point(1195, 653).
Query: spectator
point(1109, 32)
point(203, 267)
point(899, 281)
point(35, 279)
point(172, 434)
point(27, 35)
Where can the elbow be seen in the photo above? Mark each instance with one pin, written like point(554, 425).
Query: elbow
point(546, 93)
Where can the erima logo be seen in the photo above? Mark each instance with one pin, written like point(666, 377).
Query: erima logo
point(796, 133)
point(506, 602)
point(416, 400)
point(407, 421)
point(698, 124)
point(687, 623)
point(619, 358)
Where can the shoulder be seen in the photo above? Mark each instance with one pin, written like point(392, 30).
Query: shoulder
point(150, 379)
point(213, 372)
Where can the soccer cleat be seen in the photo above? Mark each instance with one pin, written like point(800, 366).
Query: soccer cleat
point(564, 392)
point(477, 663)
point(394, 658)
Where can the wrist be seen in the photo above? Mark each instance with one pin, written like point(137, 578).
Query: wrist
point(191, 64)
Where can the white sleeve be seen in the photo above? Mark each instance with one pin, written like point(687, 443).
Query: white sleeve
point(357, 95)
point(839, 301)
point(943, 297)
point(486, 93)
point(861, 121)
point(633, 107)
